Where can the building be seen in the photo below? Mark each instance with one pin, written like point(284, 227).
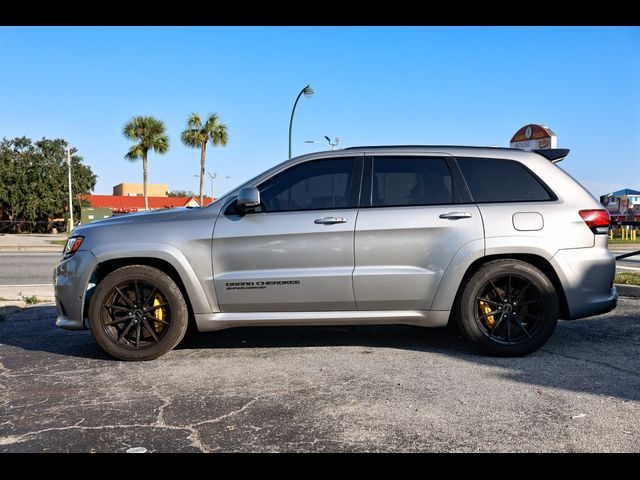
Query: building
point(128, 198)
point(137, 189)
point(623, 205)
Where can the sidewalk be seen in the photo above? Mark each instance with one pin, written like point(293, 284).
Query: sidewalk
point(631, 247)
point(34, 242)
point(17, 292)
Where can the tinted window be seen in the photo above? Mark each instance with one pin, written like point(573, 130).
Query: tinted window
point(494, 180)
point(321, 184)
point(410, 181)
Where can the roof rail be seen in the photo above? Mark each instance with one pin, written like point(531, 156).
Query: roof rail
point(372, 147)
point(555, 155)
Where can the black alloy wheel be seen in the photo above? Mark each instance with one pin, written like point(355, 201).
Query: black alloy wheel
point(515, 309)
point(507, 308)
point(135, 315)
point(138, 312)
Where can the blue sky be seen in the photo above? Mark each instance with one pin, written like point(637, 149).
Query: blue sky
point(374, 85)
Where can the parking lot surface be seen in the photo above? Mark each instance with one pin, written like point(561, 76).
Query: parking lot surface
point(378, 388)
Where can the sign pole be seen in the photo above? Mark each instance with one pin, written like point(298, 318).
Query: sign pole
point(70, 196)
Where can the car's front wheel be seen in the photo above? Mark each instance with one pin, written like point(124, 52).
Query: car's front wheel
point(508, 308)
point(138, 312)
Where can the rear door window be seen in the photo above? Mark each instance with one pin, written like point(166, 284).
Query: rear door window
point(411, 181)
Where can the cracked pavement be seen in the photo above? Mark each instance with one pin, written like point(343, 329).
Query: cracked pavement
point(273, 389)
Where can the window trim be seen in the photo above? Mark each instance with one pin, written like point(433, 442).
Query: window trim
point(459, 190)
point(353, 190)
point(552, 196)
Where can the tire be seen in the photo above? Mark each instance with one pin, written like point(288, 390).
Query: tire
point(148, 303)
point(522, 314)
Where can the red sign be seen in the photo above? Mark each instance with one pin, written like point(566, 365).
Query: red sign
point(532, 137)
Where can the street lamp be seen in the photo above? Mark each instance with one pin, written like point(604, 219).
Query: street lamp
point(308, 91)
point(332, 145)
point(212, 176)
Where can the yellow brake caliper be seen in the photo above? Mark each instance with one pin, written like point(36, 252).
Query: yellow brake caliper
point(158, 313)
point(484, 309)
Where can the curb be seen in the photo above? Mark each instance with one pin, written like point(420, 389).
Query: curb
point(628, 290)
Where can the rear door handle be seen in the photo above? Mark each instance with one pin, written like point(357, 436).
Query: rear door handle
point(330, 220)
point(456, 215)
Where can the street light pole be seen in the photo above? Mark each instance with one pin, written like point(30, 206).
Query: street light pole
point(307, 91)
point(70, 195)
point(213, 177)
point(332, 145)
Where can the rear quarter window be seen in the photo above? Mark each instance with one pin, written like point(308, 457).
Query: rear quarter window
point(497, 180)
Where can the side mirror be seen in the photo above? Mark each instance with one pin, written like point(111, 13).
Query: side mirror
point(248, 199)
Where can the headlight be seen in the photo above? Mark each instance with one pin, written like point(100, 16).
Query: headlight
point(72, 246)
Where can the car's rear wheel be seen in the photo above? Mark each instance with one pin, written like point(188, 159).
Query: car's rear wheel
point(508, 308)
point(138, 313)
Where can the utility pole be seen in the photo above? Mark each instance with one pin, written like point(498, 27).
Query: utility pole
point(213, 177)
point(70, 196)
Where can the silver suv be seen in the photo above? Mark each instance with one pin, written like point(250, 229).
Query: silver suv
point(500, 241)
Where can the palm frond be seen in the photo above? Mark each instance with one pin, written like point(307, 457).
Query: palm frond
point(136, 152)
point(194, 122)
point(220, 135)
point(192, 138)
point(212, 119)
point(161, 145)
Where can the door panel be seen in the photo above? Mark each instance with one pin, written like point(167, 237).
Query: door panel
point(402, 253)
point(313, 262)
point(417, 218)
point(297, 253)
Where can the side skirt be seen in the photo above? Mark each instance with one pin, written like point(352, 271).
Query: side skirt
point(208, 322)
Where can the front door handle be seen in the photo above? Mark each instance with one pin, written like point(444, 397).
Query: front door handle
point(330, 220)
point(456, 215)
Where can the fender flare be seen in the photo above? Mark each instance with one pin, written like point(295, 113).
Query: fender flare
point(200, 301)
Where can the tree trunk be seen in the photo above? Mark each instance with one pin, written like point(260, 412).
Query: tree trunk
point(203, 155)
point(144, 180)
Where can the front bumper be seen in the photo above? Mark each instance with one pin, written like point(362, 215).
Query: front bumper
point(587, 275)
point(70, 281)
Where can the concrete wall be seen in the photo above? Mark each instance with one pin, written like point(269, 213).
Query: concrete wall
point(153, 189)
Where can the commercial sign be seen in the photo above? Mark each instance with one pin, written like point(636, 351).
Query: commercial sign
point(534, 137)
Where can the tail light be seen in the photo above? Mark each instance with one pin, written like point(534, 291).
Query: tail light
point(597, 220)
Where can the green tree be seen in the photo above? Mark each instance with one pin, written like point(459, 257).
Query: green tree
point(149, 133)
point(197, 135)
point(33, 179)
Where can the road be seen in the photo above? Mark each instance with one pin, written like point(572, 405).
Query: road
point(376, 389)
point(629, 264)
point(27, 268)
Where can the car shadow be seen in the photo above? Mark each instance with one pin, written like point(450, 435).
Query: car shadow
point(596, 356)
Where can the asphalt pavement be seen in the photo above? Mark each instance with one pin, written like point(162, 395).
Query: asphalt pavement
point(629, 264)
point(27, 268)
point(378, 388)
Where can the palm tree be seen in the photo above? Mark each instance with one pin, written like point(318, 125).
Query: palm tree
point(197, 135)
point(149, 133)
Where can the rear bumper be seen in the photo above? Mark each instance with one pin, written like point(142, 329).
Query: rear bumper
point(70, 280)
point(587, 275)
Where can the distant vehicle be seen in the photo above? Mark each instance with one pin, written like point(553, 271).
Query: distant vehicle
point(57, 224)
point(500, 241)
